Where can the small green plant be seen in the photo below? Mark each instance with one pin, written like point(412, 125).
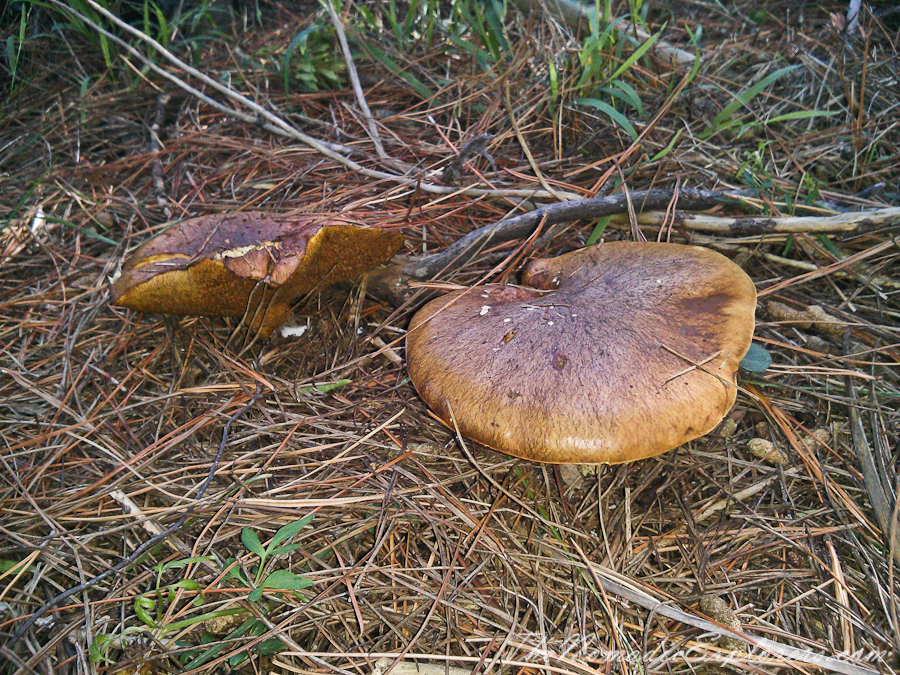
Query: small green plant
point(78, 17)
point(276, 580)
point(149, 607)
point(282, 580)
point(8, 567)
point(757, 359)
point(323, 387)
point(475, 28)
point(605, 65)
point(417, 24)
point(485, 20)
point(253, 627)
point(312, 60)
point(753, 173)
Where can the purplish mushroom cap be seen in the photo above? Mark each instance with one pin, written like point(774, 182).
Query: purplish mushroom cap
point(608, 354)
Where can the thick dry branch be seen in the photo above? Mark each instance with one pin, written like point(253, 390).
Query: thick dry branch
point(394, 280)
point(465, 249)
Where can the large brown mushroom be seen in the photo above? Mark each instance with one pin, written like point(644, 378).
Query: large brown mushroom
point(253, 265)
point(608, 354)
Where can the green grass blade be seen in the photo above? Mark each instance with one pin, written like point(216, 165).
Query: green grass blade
point(802, 115)
point(324, 388)
point(598, 230)
point(610, 112)
point(638, 53)
point(381, 57)
point(744, 98)
point(666, 150)
point(11, 57)
point(626, 94)
point(299, 41)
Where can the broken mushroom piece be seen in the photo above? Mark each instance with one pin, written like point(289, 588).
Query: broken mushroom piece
point(609, 354)
point(250, 264)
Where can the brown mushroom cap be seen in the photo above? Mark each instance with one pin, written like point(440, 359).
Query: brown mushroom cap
point(246, 264)
point(581, 363)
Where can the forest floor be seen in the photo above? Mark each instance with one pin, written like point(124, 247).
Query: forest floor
point(401, 546)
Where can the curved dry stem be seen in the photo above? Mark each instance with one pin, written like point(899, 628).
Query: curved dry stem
point(276, 124)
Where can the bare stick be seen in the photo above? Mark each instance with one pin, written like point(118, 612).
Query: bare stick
point(394, 280)
point(159, 186)
point(738, 226)
point(354, 81)
point(464, 249)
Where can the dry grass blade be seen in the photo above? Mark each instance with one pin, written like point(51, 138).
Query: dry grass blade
point(878, 487)
point(345, 530)
point(784, 651)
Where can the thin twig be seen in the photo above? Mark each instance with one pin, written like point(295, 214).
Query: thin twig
point(880, 494)
point(150, 543)
point(812, 270)
point(639, 597)
point(156, 171)
point(274, 123)
point(525, 148)
point(354, 81)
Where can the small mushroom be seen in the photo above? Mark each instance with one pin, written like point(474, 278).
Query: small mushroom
point(608, 354)
point(246, 264)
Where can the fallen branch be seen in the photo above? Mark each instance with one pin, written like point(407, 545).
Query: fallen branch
point(394, 280)
point(740, 226)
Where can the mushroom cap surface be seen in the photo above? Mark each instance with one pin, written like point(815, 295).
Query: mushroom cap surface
point(590, 359)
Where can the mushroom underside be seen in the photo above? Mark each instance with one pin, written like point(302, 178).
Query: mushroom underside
point(248, 265)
